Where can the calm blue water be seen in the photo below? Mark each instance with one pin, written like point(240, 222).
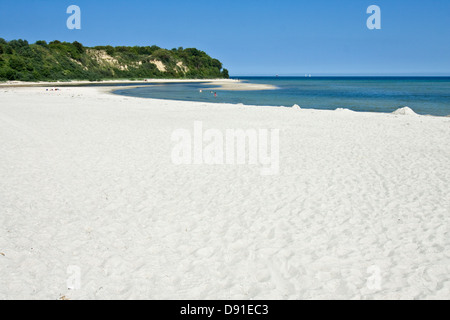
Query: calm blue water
point(425, 95)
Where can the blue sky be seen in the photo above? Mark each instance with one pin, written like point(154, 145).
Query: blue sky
point(256, 37)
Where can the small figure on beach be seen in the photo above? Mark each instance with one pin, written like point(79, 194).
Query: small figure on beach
point(215, 94)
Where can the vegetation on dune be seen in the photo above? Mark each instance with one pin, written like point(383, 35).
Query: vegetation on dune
point(57, 60)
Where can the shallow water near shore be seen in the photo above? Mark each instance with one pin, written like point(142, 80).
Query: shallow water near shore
point(425, 95)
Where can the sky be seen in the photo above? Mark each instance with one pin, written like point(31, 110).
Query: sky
point(256, 37)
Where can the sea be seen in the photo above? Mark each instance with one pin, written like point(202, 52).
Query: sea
point(424, 95)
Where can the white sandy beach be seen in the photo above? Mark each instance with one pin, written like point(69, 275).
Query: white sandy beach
point(360, 208)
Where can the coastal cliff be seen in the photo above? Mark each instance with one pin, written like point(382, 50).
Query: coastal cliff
point(57, 60)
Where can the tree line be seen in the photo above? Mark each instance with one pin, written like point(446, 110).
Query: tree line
point(60, 61)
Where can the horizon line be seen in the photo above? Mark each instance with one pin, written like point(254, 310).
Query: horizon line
point(341, 75)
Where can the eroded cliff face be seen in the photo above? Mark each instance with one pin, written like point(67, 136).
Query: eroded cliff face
point(57, 60)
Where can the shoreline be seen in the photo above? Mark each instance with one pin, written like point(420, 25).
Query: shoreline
point(225, 84)
point(400, 111)
point(232, 85)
